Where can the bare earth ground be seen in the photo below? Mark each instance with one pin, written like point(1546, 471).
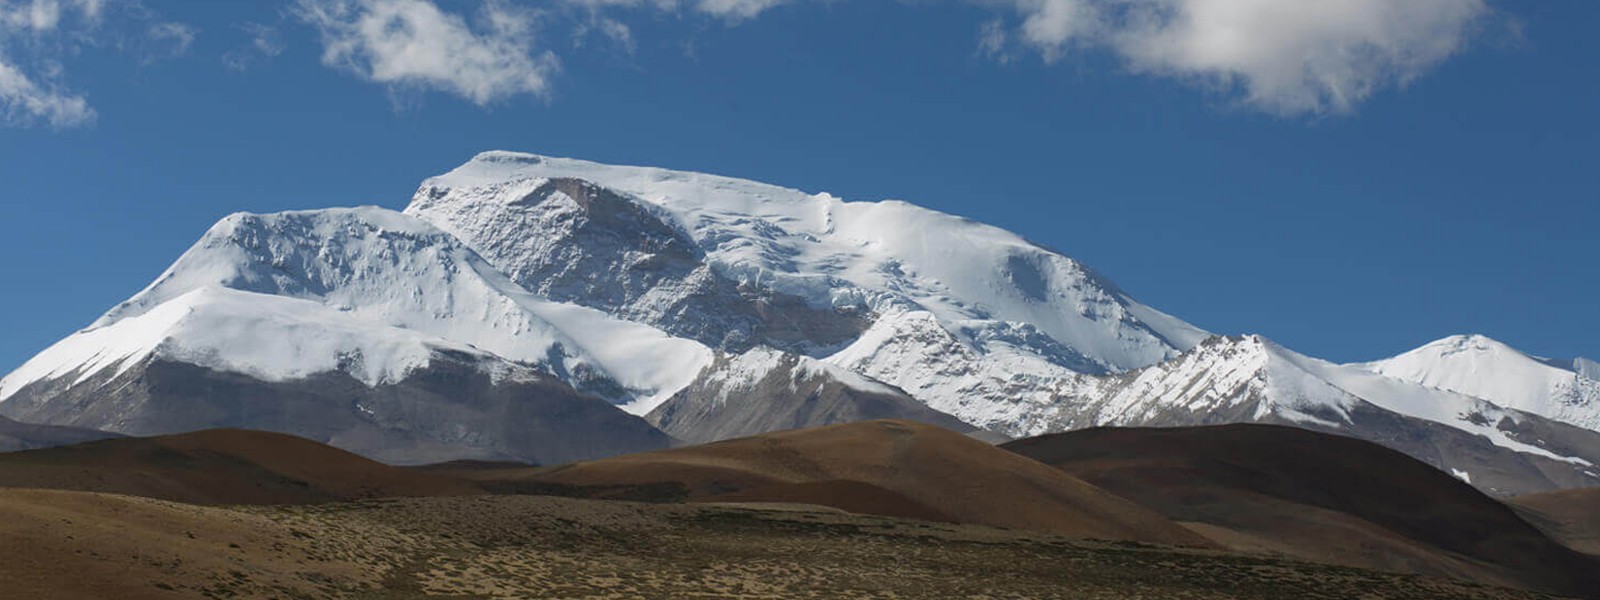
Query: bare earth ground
point(60, 544)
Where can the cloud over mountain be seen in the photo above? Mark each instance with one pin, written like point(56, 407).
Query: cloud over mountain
point(1282, 57)
point(413, 43)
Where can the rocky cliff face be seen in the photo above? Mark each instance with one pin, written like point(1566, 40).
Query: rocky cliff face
point(765, 390)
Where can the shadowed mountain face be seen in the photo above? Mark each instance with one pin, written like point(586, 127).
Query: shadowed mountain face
point(16, 435)
point(572, 240)
point(448, 410)
point(219, 466)
point(1570, 516)
point(895, 468)
point(1320, 497)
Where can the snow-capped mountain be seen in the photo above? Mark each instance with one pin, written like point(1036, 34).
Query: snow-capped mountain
point(1481, 367)
point(870, 286)
point(535, 308)
point(1252, 379)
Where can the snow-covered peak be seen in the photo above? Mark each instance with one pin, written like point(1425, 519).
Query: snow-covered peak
point(687, 190)
point(378, 280)
point(337, 252)
point(884, 257)
point(1482, 367)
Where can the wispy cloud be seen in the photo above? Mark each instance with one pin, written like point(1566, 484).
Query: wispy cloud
point(415, 44)
point(24, 101)
point(265, 42)
point(38, 36)
point(730, 10)
point(31, 92)
point(166, 40)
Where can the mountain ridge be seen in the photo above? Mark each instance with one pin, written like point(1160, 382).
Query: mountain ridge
point(616, 292)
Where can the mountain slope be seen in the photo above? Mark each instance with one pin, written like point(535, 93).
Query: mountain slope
point(1572, 517)
point(454, 408)
point(386, 283)
point(1481, 367)
point(16, 435)
point(765, 390)
point(363, 328)
point(1318, 497)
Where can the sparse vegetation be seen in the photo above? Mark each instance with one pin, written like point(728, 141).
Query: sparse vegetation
point(550, 547)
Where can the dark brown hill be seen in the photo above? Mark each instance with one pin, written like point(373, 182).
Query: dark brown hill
point(219, 466)
point(1572, 517)
point(891, 468)
point(1320, 497)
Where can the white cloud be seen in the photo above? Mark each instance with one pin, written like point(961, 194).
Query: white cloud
point(1281, 56)
point(736, 9)
point(415, 44)
point(1050, 25)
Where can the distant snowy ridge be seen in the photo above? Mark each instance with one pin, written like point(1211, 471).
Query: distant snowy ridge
point(1481, 367)
point(1252, 379)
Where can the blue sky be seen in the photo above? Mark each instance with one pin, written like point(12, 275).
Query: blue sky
point(1350, 181)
